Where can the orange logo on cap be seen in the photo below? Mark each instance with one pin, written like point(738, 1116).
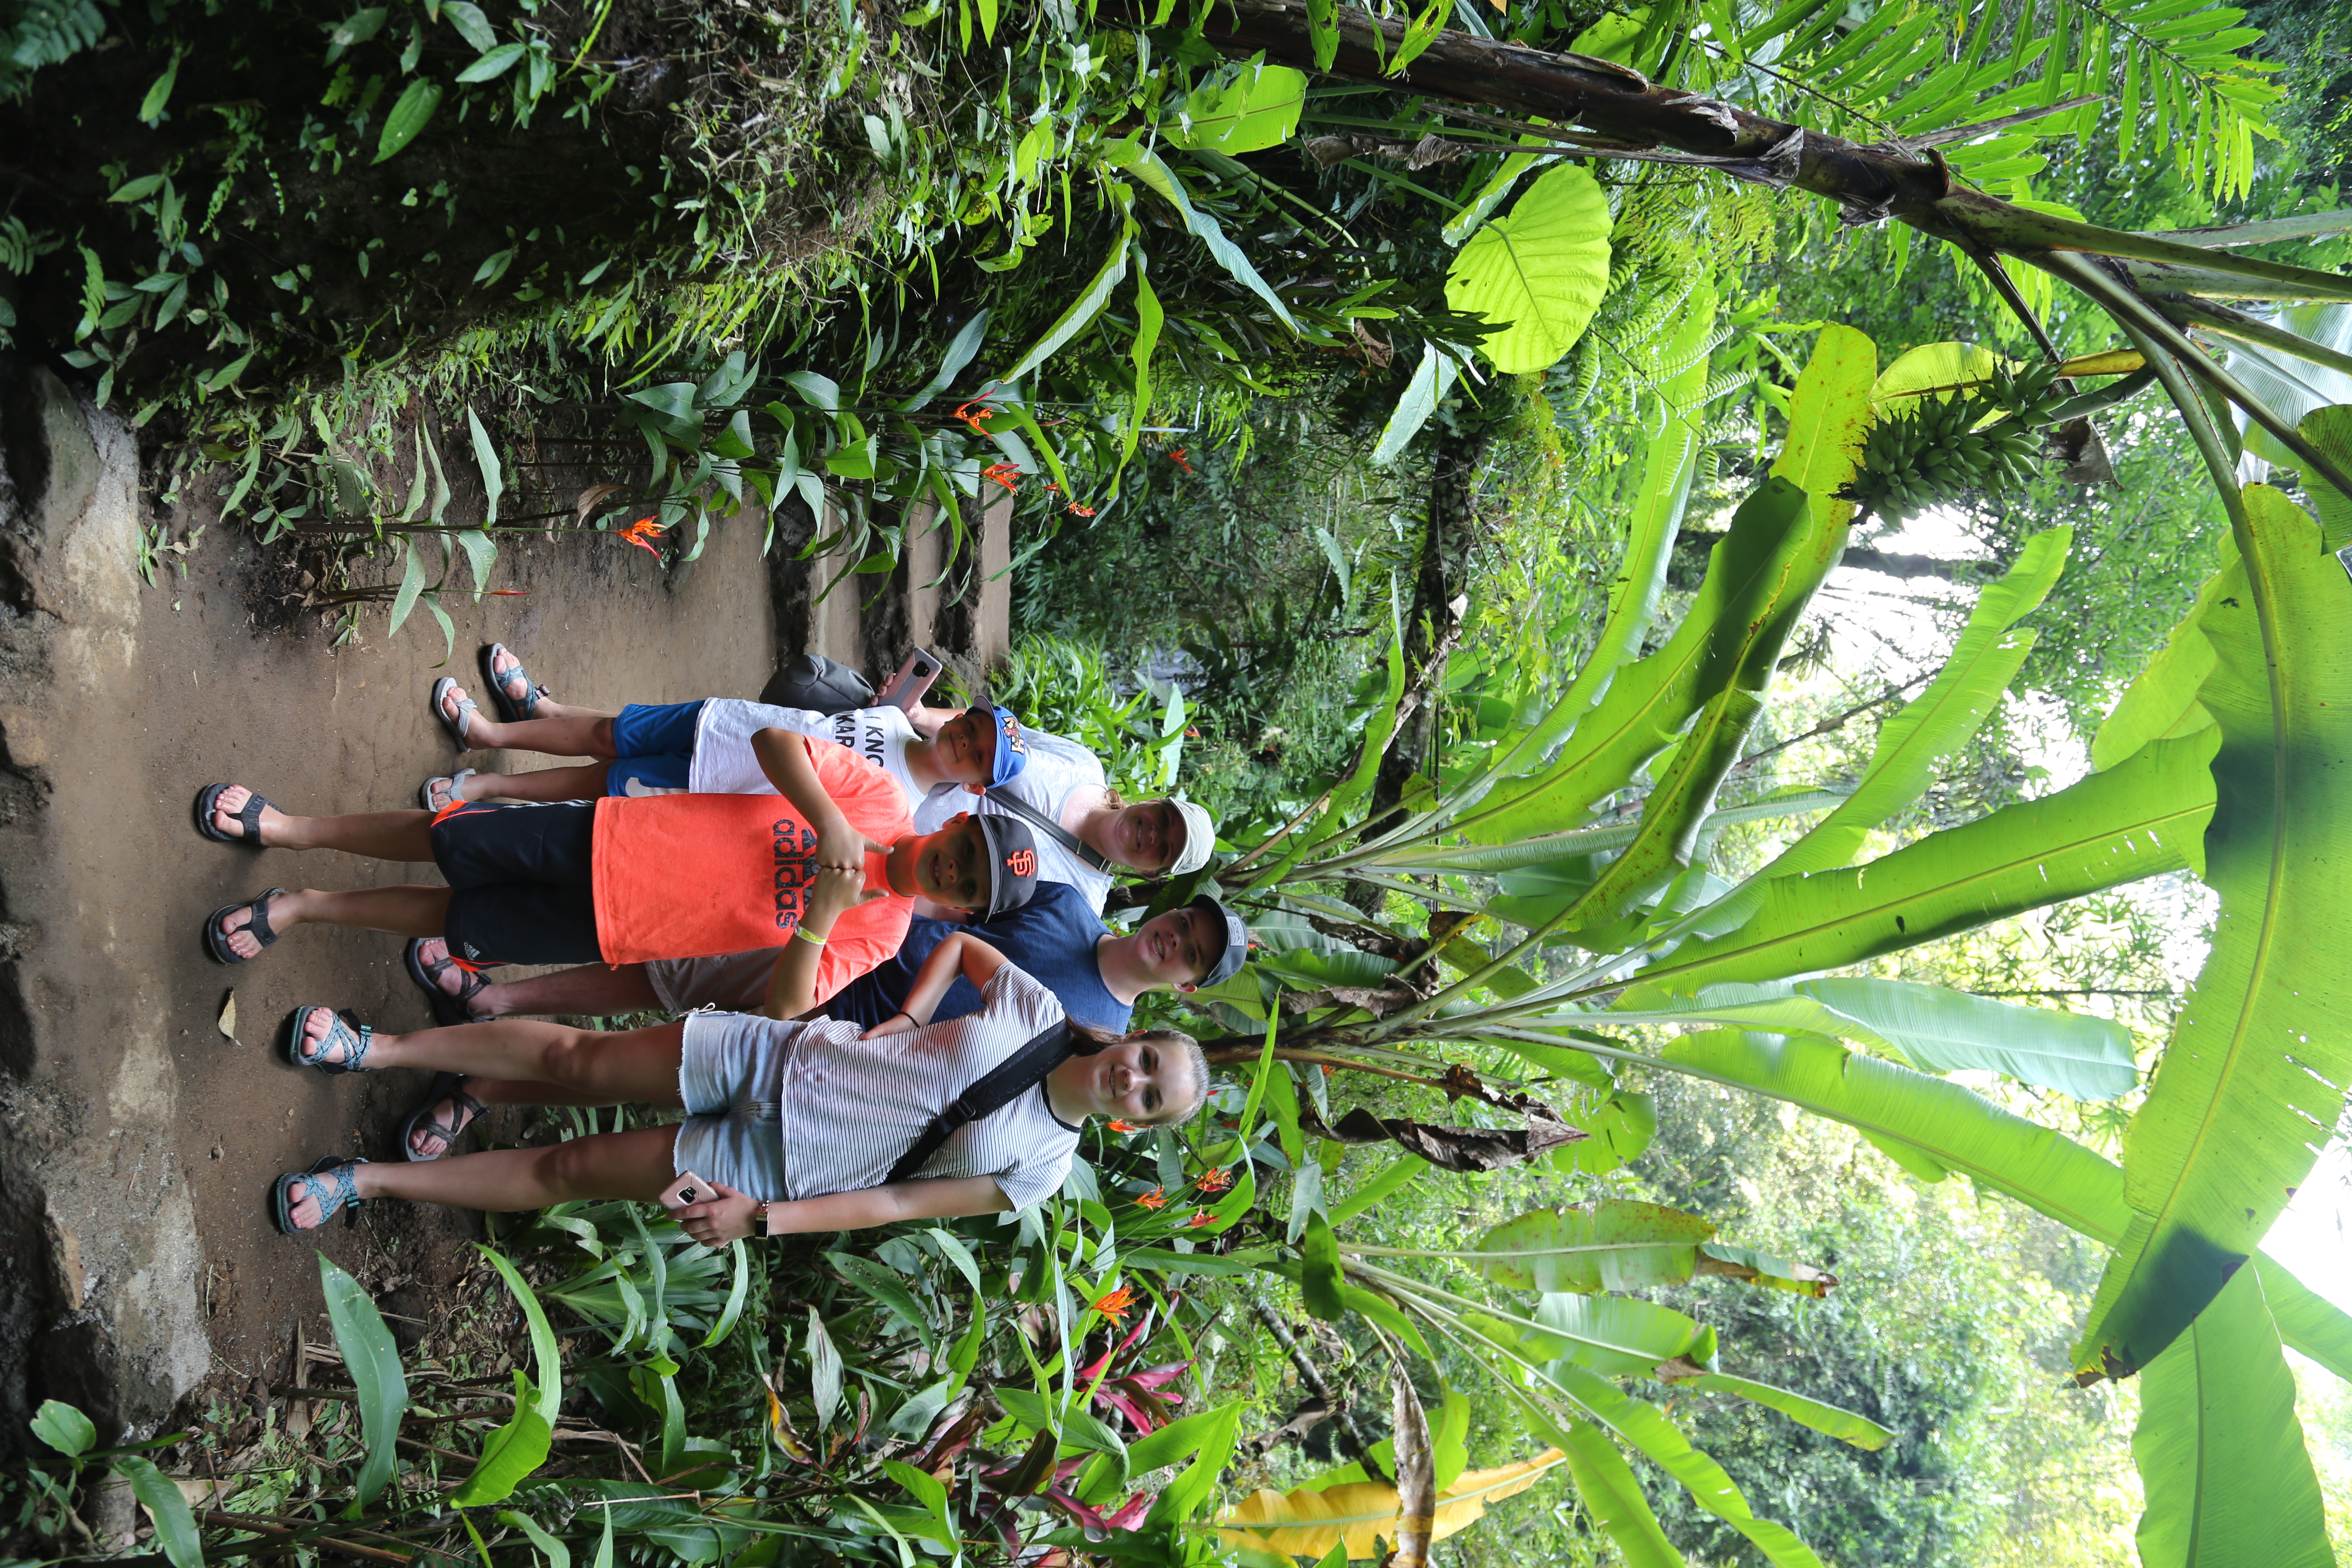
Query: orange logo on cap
point(1012, 734)
point(1021, 862)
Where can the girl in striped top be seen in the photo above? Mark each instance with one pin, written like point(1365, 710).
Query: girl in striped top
point(795, 1126)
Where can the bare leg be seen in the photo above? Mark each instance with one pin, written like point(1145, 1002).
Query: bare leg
point(517, 1057)
point(407, 910)
point(592, 988)
point(633, 1164)
point(586, 782)
point(558, 731)
point(381, 835)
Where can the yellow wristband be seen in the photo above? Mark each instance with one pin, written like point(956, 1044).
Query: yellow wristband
point(807, 936)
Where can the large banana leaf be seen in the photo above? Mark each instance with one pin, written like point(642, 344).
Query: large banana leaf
point(2253, 1078)
point(1621, 1336)
point(2162, 702)
point(2221, 1457)
point(1649, 703)
point(1307, 1523)
point(1613, 1497)
point(1829, 414)
point(1612, 1244)
point(1844, 1424)
point(1932, 726)
point(2144, 816)
point(1939, 1030)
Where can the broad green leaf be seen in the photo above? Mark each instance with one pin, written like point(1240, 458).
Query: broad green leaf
point(472, 25)
point(493, 63)
point(547, 1365)
point(1930, 1126)
point(408, 116)
point(1931, 368)
point(1537, 272)
point(2306, 1320)
point(175, 1524)
point(1649, 704)
point(1641, 1427)
point(1319, 1283)
point(372, 1363)
point(1149, 321)
point(509, 1454)
point(959, 351)
point(2252, 1076)
point(481, 554)
point(65, 1429)
point(1620, 1336)
point(557, 1554)
point(1256, 110)
point(1614, 1244)
point(1462, 225)
point(1449, 1439)
point(885, 1287)
point(1829, 412)
point(1613, 1495)
point(486, 455)
point(2162, 702)
point(1432, 380)
point(1376, 1191)
point(1844, 1424)
point(1941, 1031)
point(1080, 313)
point(1197, 1482)
point(1616, 1131)
point(1932, 726)
point(1148, 168)
point(2220, 1453)
point(2139, 819)
point(737, 1293)
point(1667, 467)
point(824, 1369)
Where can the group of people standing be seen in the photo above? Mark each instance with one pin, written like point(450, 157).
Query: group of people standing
point(882, 927)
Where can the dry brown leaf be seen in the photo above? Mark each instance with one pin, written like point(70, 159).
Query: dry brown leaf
point(594, 498)
point(227, 1024)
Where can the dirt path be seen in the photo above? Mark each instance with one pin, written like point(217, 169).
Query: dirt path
point(140, 1144)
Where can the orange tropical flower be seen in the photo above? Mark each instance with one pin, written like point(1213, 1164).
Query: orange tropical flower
point(1124, 1127)
point(642, 533)
point(1200, 1219)
point(1157, 1198)
point(1075, 510)
point(1117, 1305)
point(1176, 455)
point(1216, 1181)
point(964, 411)
point(1005, 474)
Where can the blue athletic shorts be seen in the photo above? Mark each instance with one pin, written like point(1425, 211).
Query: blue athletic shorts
point(730, 1075)
point(656, 745)
point(520, 882)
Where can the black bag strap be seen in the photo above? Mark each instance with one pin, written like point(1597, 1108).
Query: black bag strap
point(1060, 835)
point(995, 1090)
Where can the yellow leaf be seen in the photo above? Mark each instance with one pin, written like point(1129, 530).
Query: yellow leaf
point(1309, 1523)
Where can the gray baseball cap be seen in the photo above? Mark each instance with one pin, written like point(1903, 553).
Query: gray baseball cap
point(1236, 949)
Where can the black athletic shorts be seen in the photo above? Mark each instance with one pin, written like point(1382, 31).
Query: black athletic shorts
point(520, 882)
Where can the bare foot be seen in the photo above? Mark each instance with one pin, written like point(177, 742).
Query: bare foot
point(232, 801)
point(319, 1025)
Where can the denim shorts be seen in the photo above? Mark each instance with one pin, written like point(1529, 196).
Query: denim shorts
point(730, 1073)
point(656, 745)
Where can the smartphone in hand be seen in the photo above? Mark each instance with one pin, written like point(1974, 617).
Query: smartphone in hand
point(911, 681)
point(688, 1189)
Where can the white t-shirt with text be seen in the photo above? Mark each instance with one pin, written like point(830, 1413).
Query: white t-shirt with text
point(1057, 766)
point(723, 762)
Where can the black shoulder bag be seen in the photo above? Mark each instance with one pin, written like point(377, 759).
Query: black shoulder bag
point(995, 1090)
point(1051, 829)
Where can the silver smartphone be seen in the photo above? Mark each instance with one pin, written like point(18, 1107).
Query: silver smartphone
point(688, 1189)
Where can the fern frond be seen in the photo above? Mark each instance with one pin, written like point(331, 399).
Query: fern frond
point(37, 32)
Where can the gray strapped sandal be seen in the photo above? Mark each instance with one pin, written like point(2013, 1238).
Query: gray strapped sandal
point(511, 708)
point(247, 818)
point(331, 1181)
point(345, 1033)
point(448, 1088)
point(455, 721)
point(217, 940)
point(438, 795)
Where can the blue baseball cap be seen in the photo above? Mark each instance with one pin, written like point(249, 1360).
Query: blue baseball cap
point(1012, 743)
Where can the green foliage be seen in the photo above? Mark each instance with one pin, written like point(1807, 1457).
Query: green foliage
point(1537, 273)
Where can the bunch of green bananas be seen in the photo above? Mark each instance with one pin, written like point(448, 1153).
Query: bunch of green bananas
point(1931, 452)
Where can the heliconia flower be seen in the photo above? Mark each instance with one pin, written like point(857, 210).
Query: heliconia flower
point(1123, 1127)
point(1117, 1304)
point(1176, 455)
point(642, 533)
point(964, 411)
point(1075, 510)
point(1052, 488)
point(1005, 474)
point(1157, 1198)
point(1200, 1219)
point(1216, 1181)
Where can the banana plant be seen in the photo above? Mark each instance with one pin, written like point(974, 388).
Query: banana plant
point(2222, 762)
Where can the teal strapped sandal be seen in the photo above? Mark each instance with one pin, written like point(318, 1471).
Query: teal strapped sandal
point(337, 1189)
point(347, 1035)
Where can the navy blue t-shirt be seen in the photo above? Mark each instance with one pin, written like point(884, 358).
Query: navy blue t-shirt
point(1052, 938)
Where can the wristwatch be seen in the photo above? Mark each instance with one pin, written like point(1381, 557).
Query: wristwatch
point(760, 1221)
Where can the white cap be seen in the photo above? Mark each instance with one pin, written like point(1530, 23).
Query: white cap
point(1200, 838)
